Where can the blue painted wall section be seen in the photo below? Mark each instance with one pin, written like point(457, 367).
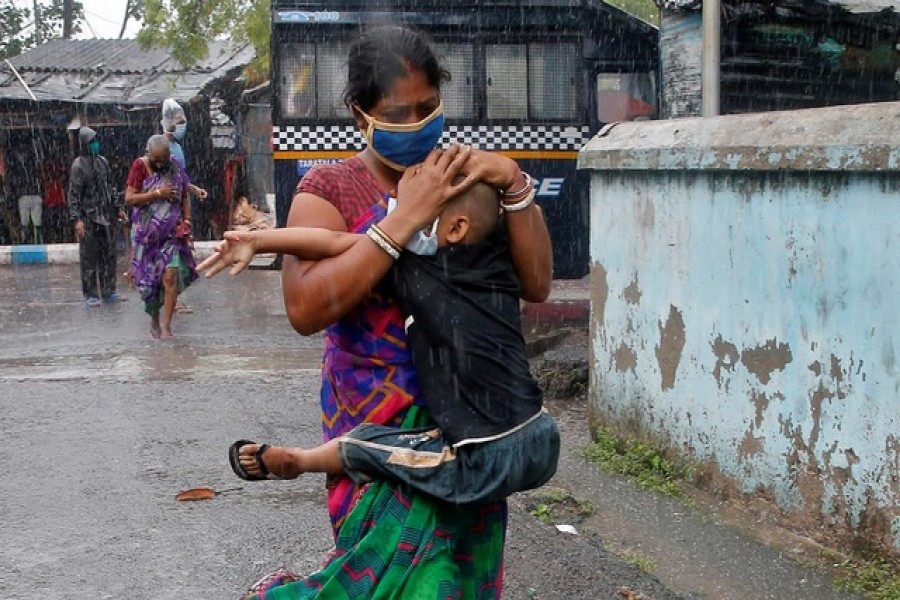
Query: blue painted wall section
point(744, 309)
point(29, 255)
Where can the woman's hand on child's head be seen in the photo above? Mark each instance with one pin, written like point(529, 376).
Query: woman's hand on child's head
point(494, 169)
point(425, 188)
point(235, 250)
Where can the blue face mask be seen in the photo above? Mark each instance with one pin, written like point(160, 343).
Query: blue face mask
point(180, 131)
point(402, 145)
point(94, 147)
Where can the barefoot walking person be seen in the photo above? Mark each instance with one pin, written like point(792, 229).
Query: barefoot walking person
point(162, 261)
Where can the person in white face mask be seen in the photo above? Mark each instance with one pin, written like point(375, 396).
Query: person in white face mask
point(175, 127)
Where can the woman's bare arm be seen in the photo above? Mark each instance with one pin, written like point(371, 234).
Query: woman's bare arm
point(133, 197)
point(531, 252)
point(530, 246)
point(316, 294)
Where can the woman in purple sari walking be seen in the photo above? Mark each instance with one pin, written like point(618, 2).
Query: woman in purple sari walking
point(162, 261)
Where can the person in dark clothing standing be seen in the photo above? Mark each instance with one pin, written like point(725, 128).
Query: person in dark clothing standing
point(94, 212)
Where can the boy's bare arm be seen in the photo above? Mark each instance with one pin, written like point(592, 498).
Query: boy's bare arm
point(307, 243)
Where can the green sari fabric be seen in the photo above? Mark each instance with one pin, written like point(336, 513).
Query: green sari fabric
point(396, 544)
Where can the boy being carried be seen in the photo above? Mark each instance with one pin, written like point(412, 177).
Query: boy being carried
point(461, 296)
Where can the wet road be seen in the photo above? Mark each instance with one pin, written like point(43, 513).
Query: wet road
point(101, 427)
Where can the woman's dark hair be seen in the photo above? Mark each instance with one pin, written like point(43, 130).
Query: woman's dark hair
point(382, 55)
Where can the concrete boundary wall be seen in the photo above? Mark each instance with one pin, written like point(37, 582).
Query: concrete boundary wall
point(744, 285)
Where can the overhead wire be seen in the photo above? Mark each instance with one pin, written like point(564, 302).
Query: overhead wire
point(104, 19)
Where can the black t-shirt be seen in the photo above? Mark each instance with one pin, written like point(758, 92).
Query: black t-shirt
point(466, 338)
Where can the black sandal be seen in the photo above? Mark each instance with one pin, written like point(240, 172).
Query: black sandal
point(234, 457)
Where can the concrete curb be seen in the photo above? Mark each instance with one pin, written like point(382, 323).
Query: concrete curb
point(67, 254)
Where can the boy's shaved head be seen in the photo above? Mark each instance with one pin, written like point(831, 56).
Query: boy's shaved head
point(481, 203)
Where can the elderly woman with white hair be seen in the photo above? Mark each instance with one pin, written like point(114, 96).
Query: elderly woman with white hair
point(162, 262)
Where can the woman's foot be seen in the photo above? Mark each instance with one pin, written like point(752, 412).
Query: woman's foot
point(275, 460)
point(155, 327)
point(166, 334)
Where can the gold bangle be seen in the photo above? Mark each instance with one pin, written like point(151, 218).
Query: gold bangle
point(382, 243)
point(387, 238)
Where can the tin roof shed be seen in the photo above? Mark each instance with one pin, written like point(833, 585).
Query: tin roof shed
point(118, 72)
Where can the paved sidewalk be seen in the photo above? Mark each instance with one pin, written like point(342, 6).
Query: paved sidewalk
point(701, 547)
point(568, 306)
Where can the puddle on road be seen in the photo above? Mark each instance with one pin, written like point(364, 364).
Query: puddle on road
point(173, 363)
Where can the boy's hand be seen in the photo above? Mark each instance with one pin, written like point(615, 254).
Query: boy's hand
point(236, 250)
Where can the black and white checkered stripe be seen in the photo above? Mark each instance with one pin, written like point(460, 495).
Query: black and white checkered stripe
point(325, 138)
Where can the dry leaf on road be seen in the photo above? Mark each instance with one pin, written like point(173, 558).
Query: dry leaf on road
point(200, 493)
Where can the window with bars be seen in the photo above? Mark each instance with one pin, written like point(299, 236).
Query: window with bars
point(531, 81)
point(313, 79)
point(459, 93)
point(298, 81)
point(506, 71)
point(553, 74)
point(331, 79)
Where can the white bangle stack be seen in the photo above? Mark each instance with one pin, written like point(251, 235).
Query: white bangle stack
point(527, 201)
point(520, 199)
point(384, 241)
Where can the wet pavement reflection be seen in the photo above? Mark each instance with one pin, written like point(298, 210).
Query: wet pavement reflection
point(238, 329)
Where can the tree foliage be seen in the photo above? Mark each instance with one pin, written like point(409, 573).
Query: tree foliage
point(12, 22)
point(643, 9)
point(186, 27)
point(17, 31)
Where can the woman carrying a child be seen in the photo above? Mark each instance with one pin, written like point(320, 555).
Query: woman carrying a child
point(409, 545)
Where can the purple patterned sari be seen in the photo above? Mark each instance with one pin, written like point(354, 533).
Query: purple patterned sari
point(154, 245)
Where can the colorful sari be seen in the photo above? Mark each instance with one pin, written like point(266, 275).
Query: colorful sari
point(390, 541)
point(154, 245)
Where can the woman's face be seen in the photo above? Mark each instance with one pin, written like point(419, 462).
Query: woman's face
point(159, 159)
point(410, 100)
